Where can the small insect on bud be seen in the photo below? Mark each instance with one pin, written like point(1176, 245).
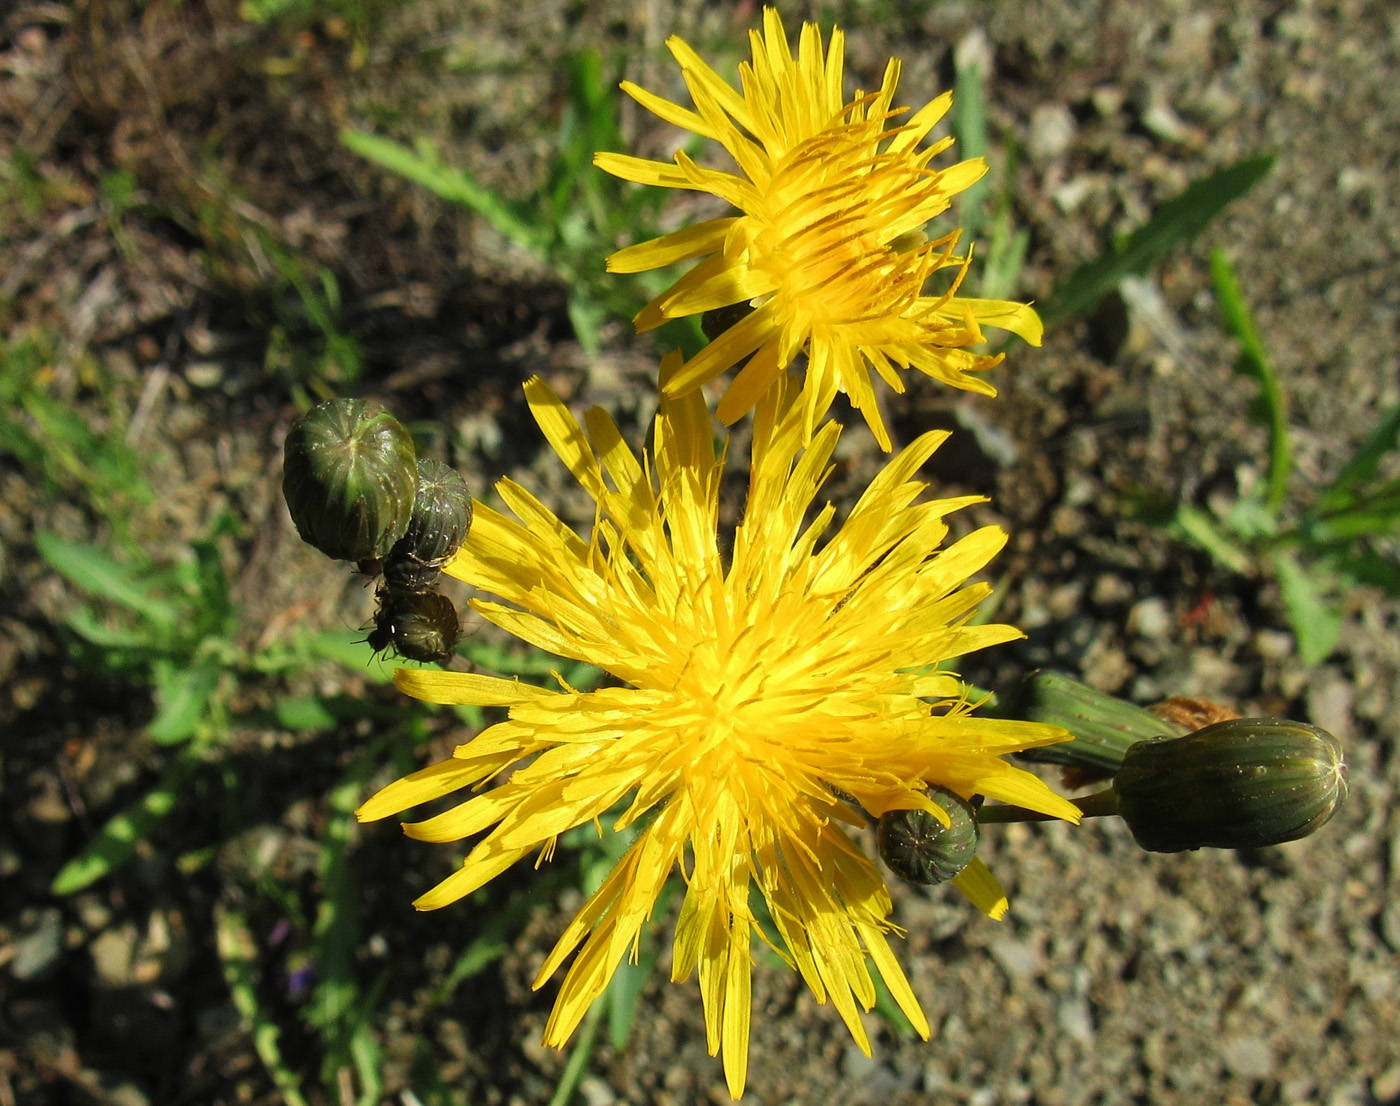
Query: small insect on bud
point(349, 475)
point(442, 515)
point(421, 626)
point(919, 848)
point(1104, 728)
point(1241, 784)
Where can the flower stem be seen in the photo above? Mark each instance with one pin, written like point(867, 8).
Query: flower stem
point(1098, 805)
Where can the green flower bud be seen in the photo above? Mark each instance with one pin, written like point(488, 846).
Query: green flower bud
point(1104, 728)
point(1241, 784)
point(442, 515)
point(918, 848)
point(349, 477)
point(421, 626)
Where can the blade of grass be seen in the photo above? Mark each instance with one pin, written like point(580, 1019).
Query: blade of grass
point(1364, 462)
point(1316, 623)
point(89, 568)
point(969, 126)
point(424, 166)
point(336, 931)
point(1173, 223)
point(238, 953)
point(117, 840)
point(577, 1066)
point(1200, 528)
point(491, 942)
point(625, 987)
point(1254, 363)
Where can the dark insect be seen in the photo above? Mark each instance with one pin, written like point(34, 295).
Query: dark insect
point(349, 476)
point(421, 626)
point(919, 848)
point(442, 515)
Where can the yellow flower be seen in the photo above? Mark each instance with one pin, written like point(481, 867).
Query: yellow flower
point(760, 679)
point(829, 247)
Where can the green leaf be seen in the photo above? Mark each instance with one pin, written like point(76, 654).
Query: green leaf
point(1316, 623)
point(1364, 567)
point(1173, 223)
point(1254, 363)
point(115, 842)
point(1364, 462)
point(625, 987)
point(239, 954)
point(183, 696)
point(424, 166)
point(969, 126)
point(1005, 256)
point(1199, 527)
point(577, 1065)
point(89, 568)
point(307, 714)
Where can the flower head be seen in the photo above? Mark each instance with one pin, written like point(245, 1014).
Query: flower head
point(828, 247)
point(764, 689)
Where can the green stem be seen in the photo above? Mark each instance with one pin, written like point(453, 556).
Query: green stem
point(1100, 804)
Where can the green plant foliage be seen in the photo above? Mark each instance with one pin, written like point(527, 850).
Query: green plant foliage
point(1177, 222)
point(1254, 363)
point(41, 430)
point(573, 219)
point(1315, 553)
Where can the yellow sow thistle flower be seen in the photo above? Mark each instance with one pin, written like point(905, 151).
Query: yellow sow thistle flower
point(757, 683)
point(829, 247)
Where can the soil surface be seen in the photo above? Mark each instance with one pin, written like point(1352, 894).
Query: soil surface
point(159, 159)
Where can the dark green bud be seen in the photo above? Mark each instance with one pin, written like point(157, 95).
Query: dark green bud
point(421, 626)
point(349, 475)
point(918, 848)
point(1241, 784)
point(1104, 728)
point(442, 515)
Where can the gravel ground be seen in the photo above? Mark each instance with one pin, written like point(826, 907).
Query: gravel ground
point(1118, 977)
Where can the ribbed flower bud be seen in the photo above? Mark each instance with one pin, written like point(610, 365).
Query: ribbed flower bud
point(1104, 728)
point(919, 848)
point(442, 515)
point(349, 477)
point(1241, 784)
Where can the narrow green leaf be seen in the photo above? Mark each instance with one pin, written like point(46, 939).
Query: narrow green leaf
point(182, 700)
point(110, 638)
point(424, 167)
point(625, 988)
point(239, 955)
point(1005, 256)
point(1364, 567)
point(306, 714)
point(1253, 362)
point(89, 568)
point(1365, 461)
point(969, 126)
point(1173, 223)
point(115, 842)
point(1316, 623)
point(1371, 521)
point(888, 1009)
point(577, 1066)
point(1200, 528)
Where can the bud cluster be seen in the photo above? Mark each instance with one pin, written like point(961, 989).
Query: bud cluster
point(1179, 780)
point(357, 491)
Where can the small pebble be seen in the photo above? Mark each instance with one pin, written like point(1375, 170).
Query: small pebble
point(39, 950)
